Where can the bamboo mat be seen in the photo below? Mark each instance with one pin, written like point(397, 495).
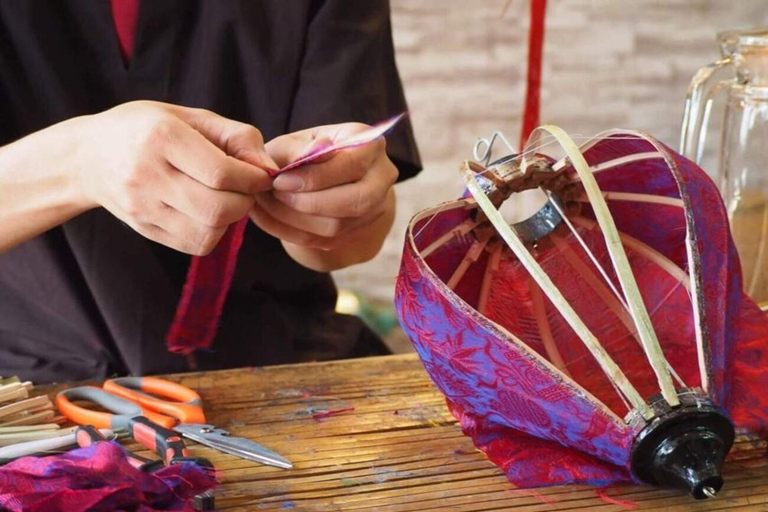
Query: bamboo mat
point(399, 449)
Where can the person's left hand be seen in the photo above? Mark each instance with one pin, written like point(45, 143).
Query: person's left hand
point(332, 202)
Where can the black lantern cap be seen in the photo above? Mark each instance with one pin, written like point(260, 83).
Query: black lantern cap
point(684, 446)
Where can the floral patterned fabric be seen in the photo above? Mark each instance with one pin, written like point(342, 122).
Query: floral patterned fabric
point(98, 479)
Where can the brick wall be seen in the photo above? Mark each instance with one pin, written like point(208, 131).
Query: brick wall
point(607, 64)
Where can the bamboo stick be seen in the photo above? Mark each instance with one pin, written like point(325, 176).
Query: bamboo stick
point(494, 258)
point(545, 331)
point(27, 418)
point(469, 258)
point(514, 242)
point(692, 254)
point(30, 428)
point(29, 404)
point(11, 392)
point(621, 265)
point(631, 197)
point(15, 384)
point(21, 437)
point(460, 230)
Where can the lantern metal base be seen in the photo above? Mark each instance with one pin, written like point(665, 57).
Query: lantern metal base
point(684, 446)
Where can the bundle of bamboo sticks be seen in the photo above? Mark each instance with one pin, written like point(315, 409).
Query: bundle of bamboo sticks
point(24, 417)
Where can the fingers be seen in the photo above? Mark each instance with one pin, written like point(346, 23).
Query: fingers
point(177, 211)
point(289, 148)
point(205, 206)
point(327, 227)
point(342, 167)
point(270, 224)
point(240, 140)
point(189, 151)
point(354, 199)
point(177, 231)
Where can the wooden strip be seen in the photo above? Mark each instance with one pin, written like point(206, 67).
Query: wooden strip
point(24, 405)
point(474, 252)
point(30, 428)
point(44, 416)
point(457, 232)
point(13, 391)
point(631, 197)
point(637, 157)
point(21, 437)
point(491, 267)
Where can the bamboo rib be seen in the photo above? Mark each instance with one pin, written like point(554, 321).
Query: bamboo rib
point(469, 258)
point(612, 300)
point(637, 245)
point(610, 164)
point(494, 258)
point(621, 265)
point(637, 198)
point(587, 250)
point(692, 260)
point(545, 331)
point(460, 230)
point(514, 242)
point(646, 250)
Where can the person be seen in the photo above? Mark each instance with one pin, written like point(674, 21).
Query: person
point(132, 136)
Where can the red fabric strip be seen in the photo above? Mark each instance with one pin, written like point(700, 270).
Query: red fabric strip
point(602, 493)
point(125, 14)
point(533, 85)
point(205, 290)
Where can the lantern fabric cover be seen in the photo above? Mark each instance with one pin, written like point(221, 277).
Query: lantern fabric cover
point(544, 425)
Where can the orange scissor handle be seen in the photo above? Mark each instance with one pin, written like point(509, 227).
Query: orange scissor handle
point(152, 394)
point(120, 410)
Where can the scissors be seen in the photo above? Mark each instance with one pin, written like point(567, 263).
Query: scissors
point(168, 405)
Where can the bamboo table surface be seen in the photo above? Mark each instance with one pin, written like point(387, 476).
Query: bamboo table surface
point(399, 449)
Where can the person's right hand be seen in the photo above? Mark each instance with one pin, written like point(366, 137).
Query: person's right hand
point(176, 175)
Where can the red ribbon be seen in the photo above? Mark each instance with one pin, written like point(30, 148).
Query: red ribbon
point(205, 290)
point(533, 85)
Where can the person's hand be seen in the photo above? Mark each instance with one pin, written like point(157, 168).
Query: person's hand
point(332, 204)
point(176, 175)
